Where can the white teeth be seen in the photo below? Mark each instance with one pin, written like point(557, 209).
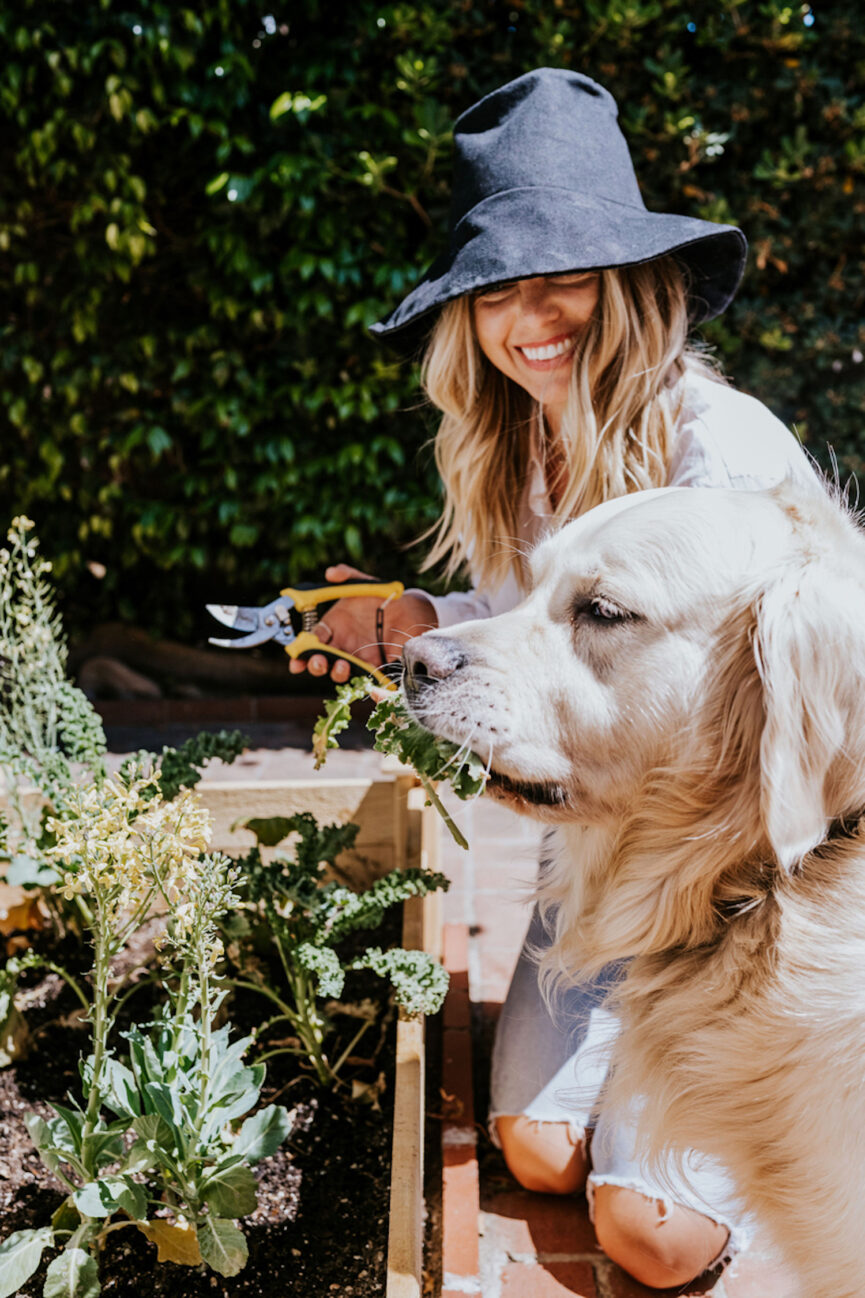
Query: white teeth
point(547, 353)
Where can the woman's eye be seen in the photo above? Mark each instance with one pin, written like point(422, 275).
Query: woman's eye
point(495, 293)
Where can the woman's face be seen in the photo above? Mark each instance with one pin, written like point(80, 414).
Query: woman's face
point(528, 329)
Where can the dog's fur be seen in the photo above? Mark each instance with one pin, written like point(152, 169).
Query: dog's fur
point(683, 695)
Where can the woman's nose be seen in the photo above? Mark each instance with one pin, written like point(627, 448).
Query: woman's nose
point(536, 297)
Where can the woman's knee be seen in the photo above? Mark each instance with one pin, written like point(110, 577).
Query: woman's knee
point(660, 1250)
point(548, 1157)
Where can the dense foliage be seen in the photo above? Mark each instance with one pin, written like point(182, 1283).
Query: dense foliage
point(202, 207)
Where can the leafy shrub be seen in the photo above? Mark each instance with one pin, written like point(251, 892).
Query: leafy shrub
point(202, 208)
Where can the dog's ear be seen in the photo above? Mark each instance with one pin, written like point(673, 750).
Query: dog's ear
point(808, 651)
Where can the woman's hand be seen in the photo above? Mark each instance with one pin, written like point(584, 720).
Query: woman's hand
point(350, 625)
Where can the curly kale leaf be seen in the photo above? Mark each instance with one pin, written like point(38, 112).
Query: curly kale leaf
point(337, 715)
point(419, 982)
point(324, 965)
point(343, 911)
point(180, 768)
point(400, 736)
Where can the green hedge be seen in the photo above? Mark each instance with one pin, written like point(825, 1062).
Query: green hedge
point(202, 207)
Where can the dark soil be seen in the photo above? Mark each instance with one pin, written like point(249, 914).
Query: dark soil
point(320, 1227)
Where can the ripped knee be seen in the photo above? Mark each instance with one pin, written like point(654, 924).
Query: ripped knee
point(660, 1248)
point(547, 1157)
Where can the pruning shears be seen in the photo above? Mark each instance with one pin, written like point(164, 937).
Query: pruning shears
point(289, 620)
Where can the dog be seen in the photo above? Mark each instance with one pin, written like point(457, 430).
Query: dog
point(682, 694)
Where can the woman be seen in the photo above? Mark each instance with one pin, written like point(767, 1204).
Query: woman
point(555, 330)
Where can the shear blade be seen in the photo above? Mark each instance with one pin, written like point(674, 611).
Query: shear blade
point(224, 613)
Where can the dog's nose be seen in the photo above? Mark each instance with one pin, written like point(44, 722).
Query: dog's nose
point(430, 658)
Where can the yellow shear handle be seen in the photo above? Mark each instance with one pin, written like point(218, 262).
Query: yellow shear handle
point(306, 642)
point(307, 599)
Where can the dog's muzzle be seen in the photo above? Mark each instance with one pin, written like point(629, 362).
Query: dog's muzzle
point(428, 659)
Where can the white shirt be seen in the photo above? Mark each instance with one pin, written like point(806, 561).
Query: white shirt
point(724, 439)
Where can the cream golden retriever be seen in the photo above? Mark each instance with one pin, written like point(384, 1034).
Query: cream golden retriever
point(683, 695)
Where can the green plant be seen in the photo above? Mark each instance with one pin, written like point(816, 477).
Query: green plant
point(47, 726)
point(306, 917)
point(201, 210)
point(122, 847)
point(398, 735)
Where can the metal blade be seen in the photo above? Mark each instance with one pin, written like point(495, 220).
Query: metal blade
point(272, 622)
point(224, 613)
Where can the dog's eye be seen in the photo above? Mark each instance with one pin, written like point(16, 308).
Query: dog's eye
point(604, 610)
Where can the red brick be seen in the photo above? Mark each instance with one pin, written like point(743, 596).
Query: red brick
point(460, 1245)
point(457, 1007)
point(540, 1223)
point(457, 1073)
point(552, 1280)
point(760, 1277)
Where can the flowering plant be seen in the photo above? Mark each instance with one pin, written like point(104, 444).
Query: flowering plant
point(123, 849)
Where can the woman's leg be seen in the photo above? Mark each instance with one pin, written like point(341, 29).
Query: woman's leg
point(661, 1248)
point(547, 1072)
point(549, 1157)
point(667, 1223)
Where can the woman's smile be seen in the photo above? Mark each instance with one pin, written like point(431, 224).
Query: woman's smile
point(529, 329)
point(547, 354)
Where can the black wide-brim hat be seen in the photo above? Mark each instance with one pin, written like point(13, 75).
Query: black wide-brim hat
point(543, 184)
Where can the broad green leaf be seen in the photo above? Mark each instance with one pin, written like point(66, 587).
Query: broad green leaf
point(231, 1191)
point(269, 831)
point(120, 1093)
point(153, 1129)
point(223, 1245)
point(74, 1274)
point(165, 1101)
point(20, 1255)
point(66, 1128)
point(263, 1133)
point(140, 1157)
point(101, 1148)
point(94, 1200)
point(130, 1196)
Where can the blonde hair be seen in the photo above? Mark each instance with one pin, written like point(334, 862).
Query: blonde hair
point(617, 427)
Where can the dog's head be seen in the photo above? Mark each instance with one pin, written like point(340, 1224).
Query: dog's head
point(701, 652)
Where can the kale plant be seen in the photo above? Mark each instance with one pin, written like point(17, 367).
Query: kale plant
point(307, 916)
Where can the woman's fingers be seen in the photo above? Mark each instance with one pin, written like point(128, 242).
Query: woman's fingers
point(344, 572)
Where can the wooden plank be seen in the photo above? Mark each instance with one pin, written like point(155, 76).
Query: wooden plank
point(376, 806)
point(405, 1240)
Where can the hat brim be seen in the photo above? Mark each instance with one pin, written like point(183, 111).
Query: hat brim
point(519, 233)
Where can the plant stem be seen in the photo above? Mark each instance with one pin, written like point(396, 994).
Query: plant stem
point(101, 1026)
point(68, 978)
point(440, 807)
